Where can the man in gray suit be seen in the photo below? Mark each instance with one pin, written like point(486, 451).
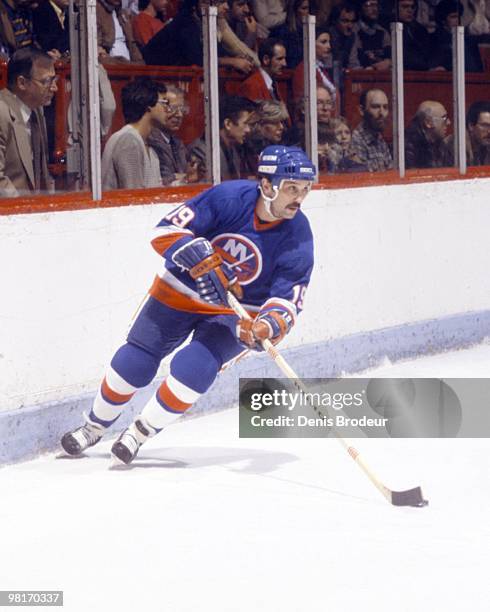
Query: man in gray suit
point(31, 84)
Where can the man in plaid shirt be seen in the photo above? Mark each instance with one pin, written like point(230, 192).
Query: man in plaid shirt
point(367, 139)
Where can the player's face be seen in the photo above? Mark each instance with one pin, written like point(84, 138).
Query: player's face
point(289, 198)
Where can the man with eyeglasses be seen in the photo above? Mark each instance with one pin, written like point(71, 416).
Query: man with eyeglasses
point(170, 149)
point(31, 84)
point(425, 145)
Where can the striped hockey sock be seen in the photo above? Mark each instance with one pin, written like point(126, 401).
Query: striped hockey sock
point(170, 401)
point(113, 395)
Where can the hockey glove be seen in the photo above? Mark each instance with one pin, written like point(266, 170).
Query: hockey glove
point(213, 277)
point(270, 324)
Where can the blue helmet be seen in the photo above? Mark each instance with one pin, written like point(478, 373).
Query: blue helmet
point(278, 163)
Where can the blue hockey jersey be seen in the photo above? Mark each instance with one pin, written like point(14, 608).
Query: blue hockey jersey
point(273, 261)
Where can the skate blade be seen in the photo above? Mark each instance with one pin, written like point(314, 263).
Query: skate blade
point(64, 455)
point(117, 465)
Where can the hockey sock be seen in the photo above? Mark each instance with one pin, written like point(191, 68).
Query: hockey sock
point(171, 400)
point(111, 398)
point(131, 369)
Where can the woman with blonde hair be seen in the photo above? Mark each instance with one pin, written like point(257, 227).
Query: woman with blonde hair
point(268, 127)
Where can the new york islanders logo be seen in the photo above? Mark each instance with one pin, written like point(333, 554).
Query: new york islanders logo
point(241, 255)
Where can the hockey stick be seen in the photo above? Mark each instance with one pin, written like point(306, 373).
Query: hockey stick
point(410, 497)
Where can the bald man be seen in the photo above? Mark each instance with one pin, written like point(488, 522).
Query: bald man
point(425, 146)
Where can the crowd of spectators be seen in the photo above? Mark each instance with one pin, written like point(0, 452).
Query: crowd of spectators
point(261, 39)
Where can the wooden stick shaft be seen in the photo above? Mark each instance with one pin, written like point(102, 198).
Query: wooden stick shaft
point(290, 373)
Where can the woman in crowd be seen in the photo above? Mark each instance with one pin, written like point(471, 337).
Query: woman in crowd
point(291, 32)
point(323, 64)
point(268, 127)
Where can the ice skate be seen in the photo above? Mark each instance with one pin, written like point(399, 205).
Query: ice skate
point(75, 442)
point(126, 447)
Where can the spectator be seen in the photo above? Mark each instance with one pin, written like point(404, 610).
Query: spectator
point(323, 54)
point(242, 22)
point(425, 145)
point(16, 27)
point(324, 108)
point(149, 21)
point(237, 36)
point(170, 149)
point(269, 14)
point(31, 84)
point(343, 21)
point(180, 42)
point(342, 157)
point(416, 40)
point(478, 134)
point(325, 105)
point(477, 19)
point(323, 11)
point(115, 34)
point(291, 32)
point(447, 15)
point(234, 120)
point(367, 139)
point(262, 84)
point(373, 44)
point(269, 127)
point(51, 27)
point(128, 162)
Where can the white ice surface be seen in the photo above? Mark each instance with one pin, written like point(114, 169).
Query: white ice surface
point(206, 521)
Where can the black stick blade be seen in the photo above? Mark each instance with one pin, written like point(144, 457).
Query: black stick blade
point(412, 497)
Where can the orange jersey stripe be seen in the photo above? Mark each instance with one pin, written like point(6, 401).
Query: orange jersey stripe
point(112, 396)
point(162, 243)
point(165, 293)
point(171, 400)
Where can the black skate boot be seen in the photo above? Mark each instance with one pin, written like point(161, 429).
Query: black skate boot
point(127, 445)
point(75, 442)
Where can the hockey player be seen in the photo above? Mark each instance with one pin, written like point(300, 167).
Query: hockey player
point(240, 236)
